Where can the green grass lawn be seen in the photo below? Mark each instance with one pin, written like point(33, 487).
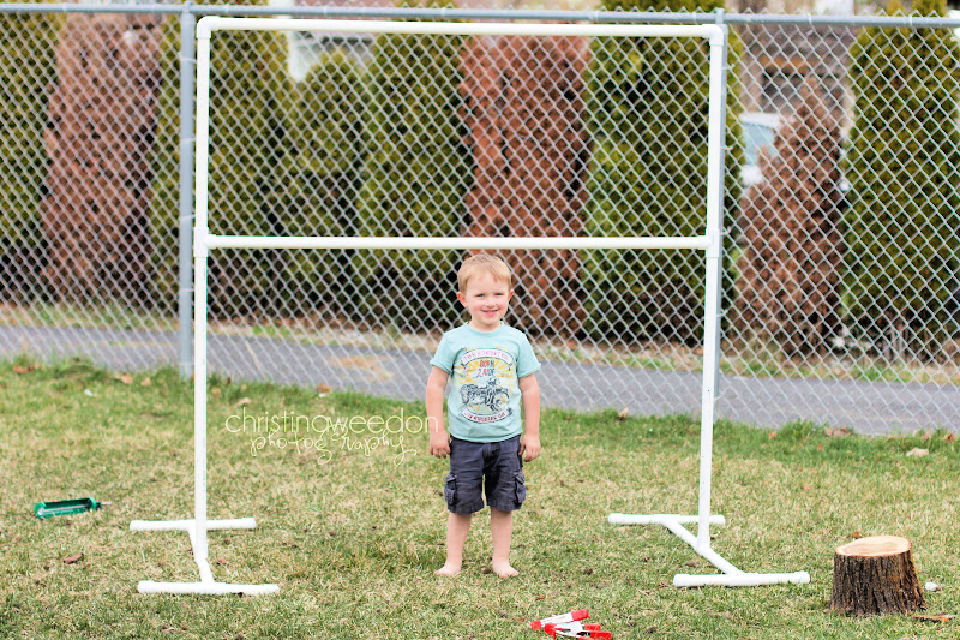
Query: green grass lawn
point(352, 536)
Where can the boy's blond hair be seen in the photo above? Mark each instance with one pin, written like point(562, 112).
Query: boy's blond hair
point(483, 263)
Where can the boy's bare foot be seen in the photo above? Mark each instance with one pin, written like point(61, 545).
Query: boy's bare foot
point(504, 570)
point(448, 570)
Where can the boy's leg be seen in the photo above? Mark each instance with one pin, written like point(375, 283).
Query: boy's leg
point(506, 491)
point(458, 526)
point(501, 528)
point(463, 496)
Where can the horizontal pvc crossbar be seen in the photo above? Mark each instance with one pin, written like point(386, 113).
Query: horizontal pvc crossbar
point(713, 32)
point(283, 242)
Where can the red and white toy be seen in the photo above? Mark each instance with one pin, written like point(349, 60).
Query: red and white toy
point(570, 616)
point(576, 630)
point(569, 624)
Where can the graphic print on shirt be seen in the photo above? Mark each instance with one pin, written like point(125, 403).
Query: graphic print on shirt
point(485, 377)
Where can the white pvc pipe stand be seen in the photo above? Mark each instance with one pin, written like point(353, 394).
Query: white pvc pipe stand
point(204, 241)
point(731, 576)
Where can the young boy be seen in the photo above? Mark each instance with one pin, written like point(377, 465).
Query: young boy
point(492, 366)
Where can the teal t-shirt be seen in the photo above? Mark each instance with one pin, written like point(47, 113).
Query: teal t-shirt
point(485, 366)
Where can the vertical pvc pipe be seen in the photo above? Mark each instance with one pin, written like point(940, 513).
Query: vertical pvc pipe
point(185, 262)
point(711, 320)
point(201, 254)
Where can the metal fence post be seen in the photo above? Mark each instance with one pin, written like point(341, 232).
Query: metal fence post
point(185, 261)
point(720, 19)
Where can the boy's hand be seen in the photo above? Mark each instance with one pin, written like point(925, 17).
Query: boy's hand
point(439, 445)
point(529, 447)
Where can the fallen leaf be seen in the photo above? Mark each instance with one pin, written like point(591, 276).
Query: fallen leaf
point(125, 378)
point(623, 414)
point(690, 563)
point(807, 487)
point(950, 437)
point(220, 561)
point(772, 435)
point(21, 369)
point(856, 534)
point(919, 453)
point(937, 618)
point(323, 389)
point(242, 402)
point(819, 447)
point(73, 559)
point(145, 382)
point(839, 432)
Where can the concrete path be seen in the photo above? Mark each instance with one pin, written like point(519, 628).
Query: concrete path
point(867, 407)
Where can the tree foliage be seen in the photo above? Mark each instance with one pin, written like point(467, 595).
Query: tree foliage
point(903, 255)
point(416, 174)
point(250, 92)
point(789, 272)
point(27, 77)
point(324, 167)
point(647, 105)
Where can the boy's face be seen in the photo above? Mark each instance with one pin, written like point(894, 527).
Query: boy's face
point(486, 299)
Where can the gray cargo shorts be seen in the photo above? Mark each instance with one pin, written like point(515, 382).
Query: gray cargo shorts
point(498, 464)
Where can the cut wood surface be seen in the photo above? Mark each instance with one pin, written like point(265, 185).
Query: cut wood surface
point(874, 576)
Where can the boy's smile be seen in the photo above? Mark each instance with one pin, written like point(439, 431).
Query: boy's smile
point(487, 299)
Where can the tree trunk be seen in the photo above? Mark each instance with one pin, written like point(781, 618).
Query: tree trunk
point(875, 576)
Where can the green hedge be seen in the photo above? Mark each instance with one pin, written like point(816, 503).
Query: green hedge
point(417, 172)
point(647, 106)
point(324, 167)
point(28, 73)
point(902, 250)
point(250, 96)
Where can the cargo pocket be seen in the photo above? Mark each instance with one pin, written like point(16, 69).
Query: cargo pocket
point(450, 489)
point(521, 488)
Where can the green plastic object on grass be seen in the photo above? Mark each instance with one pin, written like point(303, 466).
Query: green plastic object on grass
point(65, 507)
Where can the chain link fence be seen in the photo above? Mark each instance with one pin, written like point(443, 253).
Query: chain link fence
point(842, 272)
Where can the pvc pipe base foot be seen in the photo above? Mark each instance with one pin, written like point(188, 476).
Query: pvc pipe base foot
point(210, 587)
point(188, 525)
point(740, 579)
point(198, 540)
point(731, 576)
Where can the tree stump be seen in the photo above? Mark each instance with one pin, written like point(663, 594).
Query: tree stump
point(874, 576)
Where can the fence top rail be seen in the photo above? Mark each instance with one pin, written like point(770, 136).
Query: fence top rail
point(213, 23)
point(645, 17)
point(212, 241)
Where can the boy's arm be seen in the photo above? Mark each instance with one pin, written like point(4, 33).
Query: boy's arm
point(439, 443)
point(530, 440)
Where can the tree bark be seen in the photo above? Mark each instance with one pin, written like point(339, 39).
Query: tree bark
point(873, 576)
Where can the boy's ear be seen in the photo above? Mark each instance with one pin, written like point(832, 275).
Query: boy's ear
point(460, 297)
